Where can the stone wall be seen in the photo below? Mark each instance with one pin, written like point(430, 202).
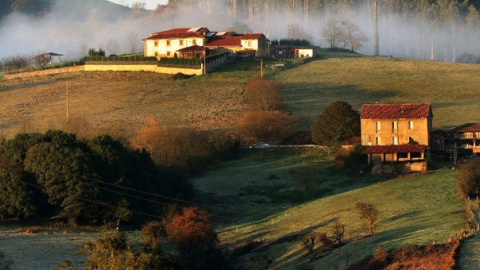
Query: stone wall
point(110, 67)
point(150, 68)
point(44, 72)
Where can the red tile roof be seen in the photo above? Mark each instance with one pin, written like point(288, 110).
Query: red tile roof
point(46, 54)
point(184, 32)
point(470, 127)
point(252, 36)
point(194, 48)
point(228, 41)
point(395, 111)
point(391, 149)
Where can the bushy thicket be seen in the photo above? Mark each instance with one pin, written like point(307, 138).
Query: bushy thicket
point(13, 63)
point(264, 122)
point(431, 256)
point(354, 160)
point(188, 230)
point(263, 95)
point(183, 150)
point(266, 126)
point(57, 174)
point(468, 180)
point(113, 252)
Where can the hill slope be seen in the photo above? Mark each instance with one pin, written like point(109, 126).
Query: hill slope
point(119, 102)
point(413, 209)
point(452, 89)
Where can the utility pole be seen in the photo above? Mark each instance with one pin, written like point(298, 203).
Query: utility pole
point(204, 60)
point(68, 102)
point(261, 67)
point(377, 43)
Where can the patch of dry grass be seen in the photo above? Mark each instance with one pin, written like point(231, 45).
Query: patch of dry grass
point(119, 102)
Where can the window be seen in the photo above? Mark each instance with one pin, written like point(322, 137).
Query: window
point(377, 126)
point(181, 42)
point(416, 155)
point(156, 54)
point(402, 155)
point(156, 43)
point(168, 53)
point(377, 140)
point(394, 140)
point(394, 125)
point(168, 42)
point(410, 124)
point(194, 42)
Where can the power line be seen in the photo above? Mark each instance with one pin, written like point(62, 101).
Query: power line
point(125, 194)
point(165, 197)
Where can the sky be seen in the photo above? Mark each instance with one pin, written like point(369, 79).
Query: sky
point(151, 4)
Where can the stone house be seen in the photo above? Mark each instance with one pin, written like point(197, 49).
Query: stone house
point(398, 136)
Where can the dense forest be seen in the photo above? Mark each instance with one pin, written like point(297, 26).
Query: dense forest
point(425, 29)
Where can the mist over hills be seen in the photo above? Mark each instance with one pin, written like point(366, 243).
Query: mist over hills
point(75, 9)
point(440, 30)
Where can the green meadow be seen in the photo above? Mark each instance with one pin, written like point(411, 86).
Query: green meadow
point(452, 89)
point(257, 196)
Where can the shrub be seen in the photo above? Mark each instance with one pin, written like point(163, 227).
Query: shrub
point(337, 123)
point(192, 234)
point(152, 232)
point(354, 160)
point(468, 180)
point(266, 126)
point(112, 252)
point(263, 95)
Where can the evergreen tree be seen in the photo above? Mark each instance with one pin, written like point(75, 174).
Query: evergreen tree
point(337, 123)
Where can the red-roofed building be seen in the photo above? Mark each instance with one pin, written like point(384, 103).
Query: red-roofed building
point(167, 43)
point(170, 42)
point(467, 137)
point(398, 133)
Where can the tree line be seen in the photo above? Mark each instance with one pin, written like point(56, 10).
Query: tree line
point(57, 174)
point(425, 29)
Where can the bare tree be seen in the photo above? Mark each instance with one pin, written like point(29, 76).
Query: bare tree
point(132, 39)
point(338, 230)
point(353, 37)
point(368, 212)
point(112, 46)
point(332, 31)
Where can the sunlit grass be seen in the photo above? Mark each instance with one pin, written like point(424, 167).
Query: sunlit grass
point(414, 209)
point(452, 89)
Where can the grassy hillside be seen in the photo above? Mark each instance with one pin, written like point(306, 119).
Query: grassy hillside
point(119, 102)
point(452, 89)
point(413, 209)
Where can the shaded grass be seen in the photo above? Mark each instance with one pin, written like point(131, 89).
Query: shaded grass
point(452, 89)
point(413, 209)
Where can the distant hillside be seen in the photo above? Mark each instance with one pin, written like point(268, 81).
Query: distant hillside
point(74, 9)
